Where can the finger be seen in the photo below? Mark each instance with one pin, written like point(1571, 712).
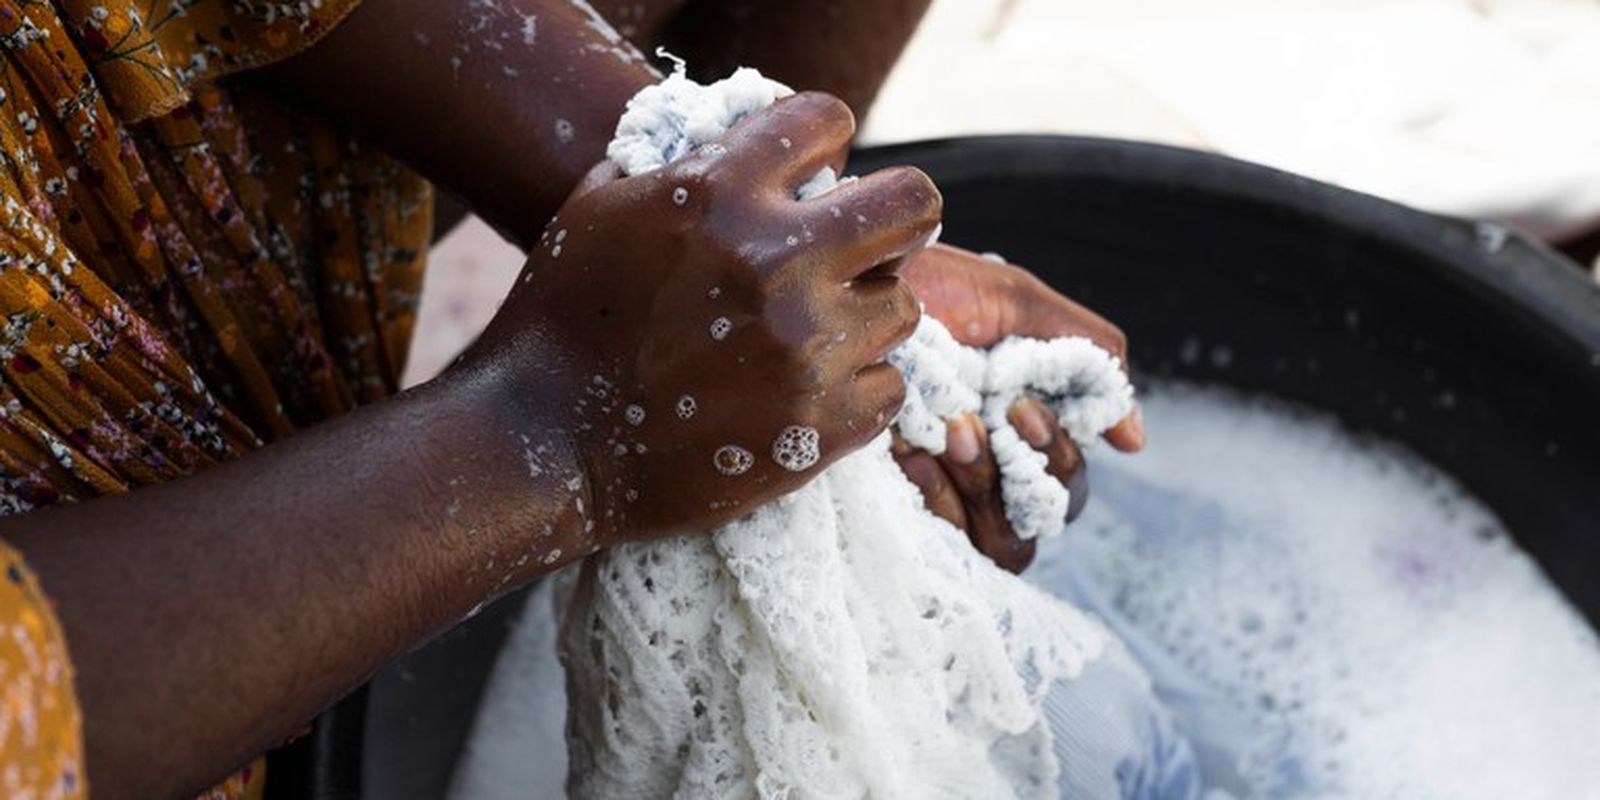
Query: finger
point(970, 465)
point(785, 144)
point(1066, 317)
point(874, 396)
point(872, 226)
point(882, 314)
point(1038, 426)
point(938, 493)
point(599, 175)
point(1128, 435)
point(1095, 328)
point(1045, 313)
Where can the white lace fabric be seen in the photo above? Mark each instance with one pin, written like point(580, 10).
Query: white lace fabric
point(841, 642)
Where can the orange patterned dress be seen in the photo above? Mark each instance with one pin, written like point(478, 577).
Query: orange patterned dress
point(188, 269)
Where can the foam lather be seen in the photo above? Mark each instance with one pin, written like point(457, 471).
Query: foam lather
point(841, 641)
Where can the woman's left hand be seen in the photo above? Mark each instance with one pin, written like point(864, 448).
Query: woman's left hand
point(982, 301)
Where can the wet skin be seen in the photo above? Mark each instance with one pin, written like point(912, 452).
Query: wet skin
point(633, 274)
point(211, 617)
point(981, 302)
point(823, 46)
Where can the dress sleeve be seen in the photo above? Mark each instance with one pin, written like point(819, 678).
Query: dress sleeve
point(147, 55)
point(41, 732)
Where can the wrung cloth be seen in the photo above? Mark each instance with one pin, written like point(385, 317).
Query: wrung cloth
point(841, 641)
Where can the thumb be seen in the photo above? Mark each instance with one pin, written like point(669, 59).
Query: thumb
point(599, 175)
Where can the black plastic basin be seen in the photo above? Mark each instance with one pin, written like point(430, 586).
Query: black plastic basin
point(1475, 347)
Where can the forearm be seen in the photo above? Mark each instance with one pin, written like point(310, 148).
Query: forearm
point(845, 49)
point(212, 617)
point(506, 104)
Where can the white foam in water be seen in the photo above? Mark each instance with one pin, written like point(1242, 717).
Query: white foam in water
point(1372, 626)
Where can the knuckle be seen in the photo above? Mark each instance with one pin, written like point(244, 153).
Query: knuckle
point(894, 395)
point(1118, 342)
point(905, 313)
point(973, 481)
point(826, 110)
point(1019, 554)
point(920, 193)
point(695, 176)
point(985, 474)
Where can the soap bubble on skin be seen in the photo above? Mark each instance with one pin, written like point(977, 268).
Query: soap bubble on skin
point(565, 133)
point(731, 459)
point(634, 414)
point(686, 407)
point(680, 196)
point(720, 328)
point(798, 448)
point(530, 29)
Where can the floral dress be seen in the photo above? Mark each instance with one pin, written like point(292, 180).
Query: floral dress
point(188, 269)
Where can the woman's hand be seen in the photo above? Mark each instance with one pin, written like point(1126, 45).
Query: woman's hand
point(982, 301)
point(722, 341)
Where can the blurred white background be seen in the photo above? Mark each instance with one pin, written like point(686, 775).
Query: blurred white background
point(1478, 108)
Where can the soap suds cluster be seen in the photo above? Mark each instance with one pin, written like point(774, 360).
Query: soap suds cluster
point(798, 448)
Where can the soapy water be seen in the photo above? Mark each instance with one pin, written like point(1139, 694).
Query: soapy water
point(1303, 678)
point(1326, 616)
point(1330, 614)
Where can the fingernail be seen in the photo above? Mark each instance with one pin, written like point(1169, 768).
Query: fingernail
point(962, 445)
point(923, 472)
point(899, 446)
point(1036, 424)
point(1136, 427)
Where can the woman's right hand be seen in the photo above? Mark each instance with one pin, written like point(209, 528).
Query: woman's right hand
point(720, 342)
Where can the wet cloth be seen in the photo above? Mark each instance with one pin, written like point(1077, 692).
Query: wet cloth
point(1113, 736)
point(841, 641)
point(1115, 740)
point(188, 270)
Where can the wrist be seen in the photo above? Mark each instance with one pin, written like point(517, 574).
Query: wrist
point(517, 478)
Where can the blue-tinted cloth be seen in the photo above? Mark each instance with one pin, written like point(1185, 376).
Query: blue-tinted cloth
point(1113, 738)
